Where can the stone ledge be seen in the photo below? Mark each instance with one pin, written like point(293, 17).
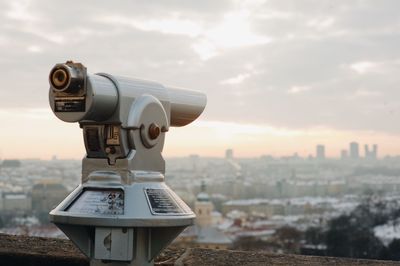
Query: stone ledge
point(247, 258)
point(39, 251)
point(22, 250)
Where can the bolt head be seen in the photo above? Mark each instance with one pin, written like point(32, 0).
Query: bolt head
point(110, 150)
point(154, 131)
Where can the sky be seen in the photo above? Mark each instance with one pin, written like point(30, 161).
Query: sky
point(281, 76)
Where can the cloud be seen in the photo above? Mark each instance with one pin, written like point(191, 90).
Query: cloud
point(34, 49)
point(298, 89)
point(256, 60)
point(235, 80)
point(363, 67)
point(19, 10)
point(321, 23)
point(167, 26)
point(367, 93)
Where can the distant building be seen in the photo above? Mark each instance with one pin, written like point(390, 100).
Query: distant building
point(203, 208)
point(11, 163)
point(343, 154)
point(211, 237)
point(253, 206)
point(375, 150)
point(16, 202)
point(229, 154)
point(194, 159)
point(320, 152)
point(371, 154)
point(288, 206)
point(204, 234)
point(354, 151)
point(47, 194)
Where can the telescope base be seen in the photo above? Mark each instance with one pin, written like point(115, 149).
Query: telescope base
point(141, 253)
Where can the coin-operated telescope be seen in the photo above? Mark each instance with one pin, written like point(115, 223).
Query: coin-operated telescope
point(122, 213)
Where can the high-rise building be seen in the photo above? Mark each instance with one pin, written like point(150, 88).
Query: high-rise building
point(343, 154)
point(320, 152)
point(354, 151)
point(194, 159)
point(229, 154)
point(375, 151)
point(371, 154)
point(366, 151)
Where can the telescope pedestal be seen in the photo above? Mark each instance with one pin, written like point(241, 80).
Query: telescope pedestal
point(141, 251)
point(145, 217)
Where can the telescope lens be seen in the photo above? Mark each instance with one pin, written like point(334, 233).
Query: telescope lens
point(68, 77)
point(59, 79)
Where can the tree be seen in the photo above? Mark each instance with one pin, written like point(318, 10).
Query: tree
point(288, 238)
point(338, 237)
point(393, 250)
point(348, 236)
point(250, 243)
point(314, 236)
point(353, 235)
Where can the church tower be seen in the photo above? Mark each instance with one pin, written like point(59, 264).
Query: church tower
point(203, 208)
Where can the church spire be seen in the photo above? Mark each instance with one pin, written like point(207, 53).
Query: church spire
point(203, 196)
point(203, 186)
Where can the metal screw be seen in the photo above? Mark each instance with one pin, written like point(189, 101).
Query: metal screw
point(154, 131)
point(110, 150)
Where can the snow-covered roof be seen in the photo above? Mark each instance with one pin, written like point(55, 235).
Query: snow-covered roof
point(291, 201)
point(236, 214)
point(211, 235)
point(15, 196)
point(257, 233)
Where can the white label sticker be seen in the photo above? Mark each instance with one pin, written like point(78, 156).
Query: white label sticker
point(104, 202)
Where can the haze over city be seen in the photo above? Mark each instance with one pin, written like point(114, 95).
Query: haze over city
point(296, 152)
point(281, 76)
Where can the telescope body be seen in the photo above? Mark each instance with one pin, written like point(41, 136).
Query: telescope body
point(107, 98)
point(122, 213)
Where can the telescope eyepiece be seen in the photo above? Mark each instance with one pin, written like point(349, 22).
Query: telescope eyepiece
point(59, 79)
point(68, 77)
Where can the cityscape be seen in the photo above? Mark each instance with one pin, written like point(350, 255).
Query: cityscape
point(276, 122)
point(240, 203)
